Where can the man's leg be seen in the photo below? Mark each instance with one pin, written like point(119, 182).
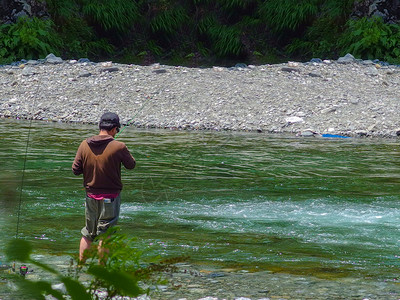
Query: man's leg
point(108, 217)
point(91, 215)
point(103, 253)
point(84, 245)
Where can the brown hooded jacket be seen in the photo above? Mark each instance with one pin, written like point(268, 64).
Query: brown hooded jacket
point(99, 159)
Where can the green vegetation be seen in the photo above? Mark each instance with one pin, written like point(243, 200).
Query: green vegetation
point(118, 273)
point(371, 38)
point(197, 32)
point(28, 38)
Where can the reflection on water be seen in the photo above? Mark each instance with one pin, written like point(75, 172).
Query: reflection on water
point(300, 205)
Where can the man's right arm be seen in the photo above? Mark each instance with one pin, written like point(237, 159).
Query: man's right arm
point(127, 159)
point(77, 165)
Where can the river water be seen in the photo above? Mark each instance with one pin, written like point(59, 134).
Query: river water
point(322, 207)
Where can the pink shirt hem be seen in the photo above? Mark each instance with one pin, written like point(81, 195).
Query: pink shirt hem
point(101, 196)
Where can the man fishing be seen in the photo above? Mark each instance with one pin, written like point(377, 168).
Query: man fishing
point(99, 159)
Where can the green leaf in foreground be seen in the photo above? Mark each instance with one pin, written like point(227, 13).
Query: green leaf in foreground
point(75, 289)
point(19, 250)
point(120, 280)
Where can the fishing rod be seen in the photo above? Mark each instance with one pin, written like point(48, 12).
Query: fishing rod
point(133, 118)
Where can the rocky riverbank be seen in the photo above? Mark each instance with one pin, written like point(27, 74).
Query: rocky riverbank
point(228, 284)
point(191, 282)
point(346, 97)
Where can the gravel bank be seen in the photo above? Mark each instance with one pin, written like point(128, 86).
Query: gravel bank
point(346, 97)
point(191, 282)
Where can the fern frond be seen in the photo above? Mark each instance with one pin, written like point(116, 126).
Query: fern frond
point(249, 21)
point(230, 4)
point(202, 1)
point(62, 8)
point(154, 48)
point(287, 14)
point(228, 42)
point(337, 8)
point(169, 20)
point(112, 14)
point(207, 23)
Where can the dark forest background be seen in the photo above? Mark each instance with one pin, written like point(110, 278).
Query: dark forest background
point(199, 32)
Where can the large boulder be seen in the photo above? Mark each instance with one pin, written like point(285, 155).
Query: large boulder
point(389, 10)
point(11, 10)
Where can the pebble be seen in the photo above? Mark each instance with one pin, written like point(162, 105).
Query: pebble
point(355, 98)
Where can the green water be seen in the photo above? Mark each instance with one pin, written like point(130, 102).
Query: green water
point(322, 207)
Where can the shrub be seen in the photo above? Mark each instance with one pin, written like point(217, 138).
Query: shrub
point(322, 29)
point(372, 39)
point(28, 39)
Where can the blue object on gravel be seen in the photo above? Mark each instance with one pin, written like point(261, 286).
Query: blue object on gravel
point(335, 136)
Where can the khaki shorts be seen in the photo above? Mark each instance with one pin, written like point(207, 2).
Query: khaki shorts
point(100, 215)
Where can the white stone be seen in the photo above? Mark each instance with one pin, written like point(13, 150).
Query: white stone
point(294, 120)
point(218, 69)
point(106, 64)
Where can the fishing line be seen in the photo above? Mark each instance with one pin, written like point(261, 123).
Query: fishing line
point(24, 166)
point(23, 177)
point(133, 118)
